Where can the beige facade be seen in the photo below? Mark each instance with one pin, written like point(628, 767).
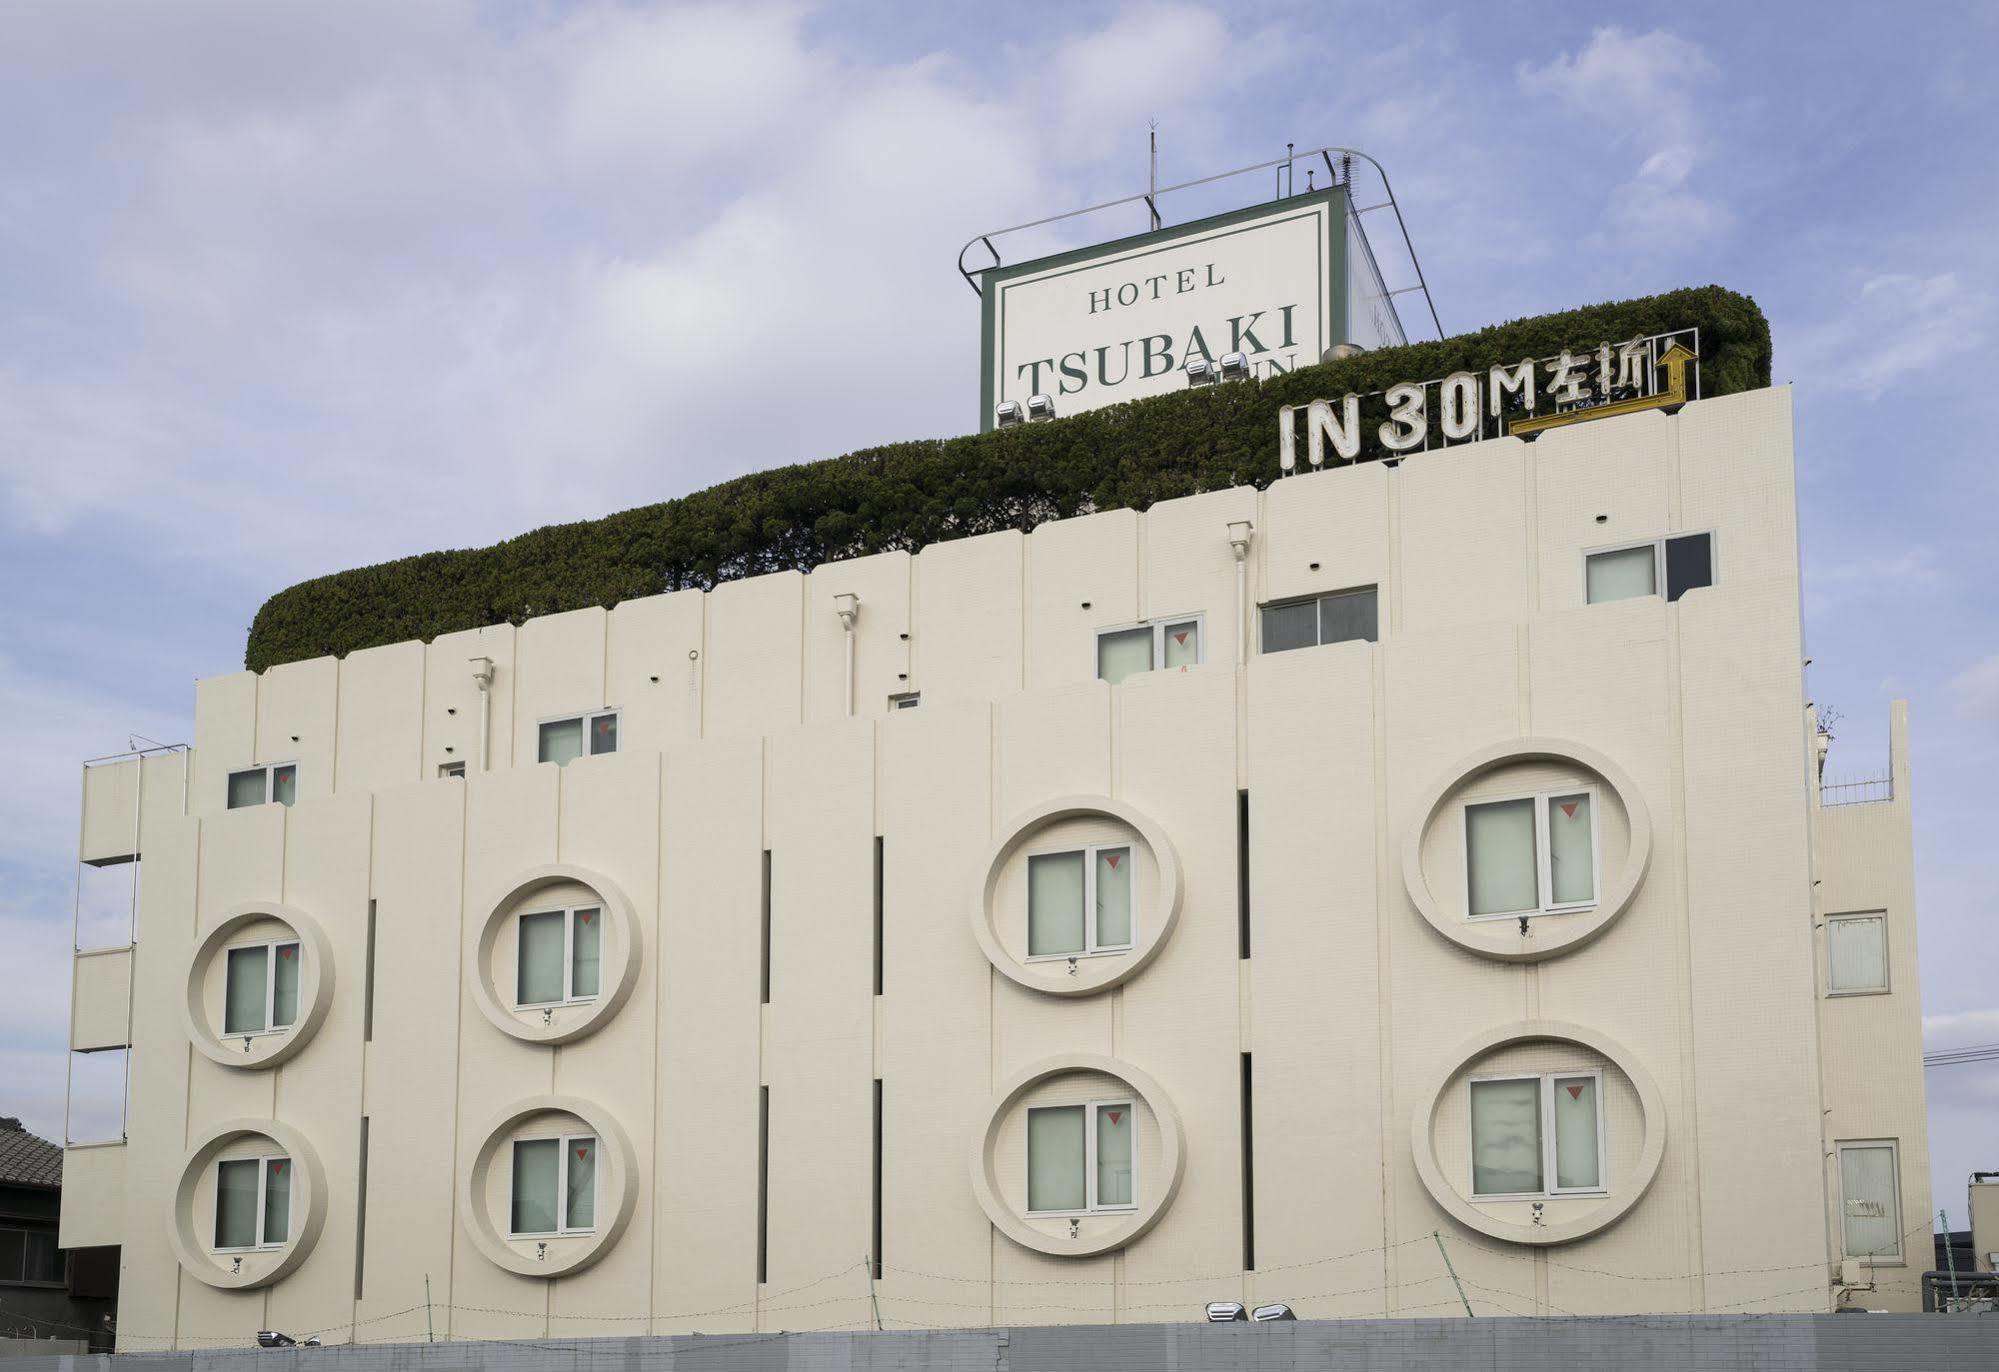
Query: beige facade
point(815, 952)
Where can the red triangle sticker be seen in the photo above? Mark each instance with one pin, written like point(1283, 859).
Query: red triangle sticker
point(286, 953)
point(1117, 1116)
point(1112, 858)
point(1570, 809)
point(586, 915)
point(1575, 1093)
point(1180, 639)
point(583, 1152)
point(278, 1168)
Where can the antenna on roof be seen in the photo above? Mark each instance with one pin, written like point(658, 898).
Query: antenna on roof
point(1152, 180)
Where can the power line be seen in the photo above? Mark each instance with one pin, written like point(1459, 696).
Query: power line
point(1953, 1057)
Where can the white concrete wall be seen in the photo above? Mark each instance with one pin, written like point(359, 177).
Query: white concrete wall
point(734, 742)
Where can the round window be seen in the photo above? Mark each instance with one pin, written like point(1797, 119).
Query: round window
point(557, 955)
point(1078, 896)
point(258, 986)
point(550, 1186)
point(249, 1206)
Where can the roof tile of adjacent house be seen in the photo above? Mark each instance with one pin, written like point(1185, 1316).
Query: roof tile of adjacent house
point(27, 1159)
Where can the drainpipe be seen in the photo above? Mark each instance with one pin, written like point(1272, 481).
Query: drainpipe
point(1240, 533)
point(847, 605)
point(482, 676)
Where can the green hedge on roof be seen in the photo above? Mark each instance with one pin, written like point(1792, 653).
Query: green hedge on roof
point(906, 495)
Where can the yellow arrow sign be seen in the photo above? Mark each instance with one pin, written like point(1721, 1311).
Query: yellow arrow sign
point(1674, 360)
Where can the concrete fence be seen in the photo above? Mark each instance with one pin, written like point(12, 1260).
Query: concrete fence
point(1661, 1343)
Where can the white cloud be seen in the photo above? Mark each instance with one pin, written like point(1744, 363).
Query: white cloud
point(1975, 691)
point(1642, 91)
point(1896, 326)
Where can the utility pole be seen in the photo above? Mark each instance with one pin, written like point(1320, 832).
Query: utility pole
point(867, 1261)
point(1454, 1274)
point(1949, 1251)
point(429, 1330)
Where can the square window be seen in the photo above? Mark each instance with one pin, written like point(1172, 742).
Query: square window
point(451, 769)
point(1080, 902)
point(248, 788)
point(1123, 653)
point(245, 1003)
point(1870, 1201)
point(236, 1223)
point(559, 956)
point(908, 701)
point(1679, 564)
point(1530, 855)
point(562, 741)
point(1856, 954)
point(284, 784)
point(1180, 645)
point(1081, 1159)
point(554, 1186)
point(1341, 617)
point(1526, 1130)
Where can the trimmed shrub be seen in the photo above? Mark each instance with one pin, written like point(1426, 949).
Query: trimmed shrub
point(906, 495)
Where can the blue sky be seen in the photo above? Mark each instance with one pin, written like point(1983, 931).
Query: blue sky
point(286, 289)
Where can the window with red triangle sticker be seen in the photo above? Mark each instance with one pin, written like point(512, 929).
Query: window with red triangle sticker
point(583, 1152)
point(1575, 1093)
point(1117, 1116)
point(1181, 639)
point(1112, 858)
point(1569, 809)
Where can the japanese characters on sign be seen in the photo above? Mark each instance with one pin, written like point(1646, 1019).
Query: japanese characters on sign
point(1659, 372)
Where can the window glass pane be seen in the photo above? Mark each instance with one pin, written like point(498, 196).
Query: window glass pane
point(1499, 858)
point(1290, 626)
point(12, 1256)
point(284, 784)
point(246, 788)
point(589, 941)
point(1055, 1158)
point(1183, 644)
point(536, 1165)
point(1114, 1154)
point(1575, 1132)
point(41, 1260)
point(278, 1200)
point(1348, 615)
point(284, 995)
point(582, 1165)
point(1113, 912)
point(1055, 903)
point(1871, 1209)
point(243, 994)
point(1689, 564)
point(1123, 653)
point(236, 1203)
point(538, 980)
point(604, 734)
point(1620, 575)
point(1858, 953)
point(1571, 856)
point(561, 740)
point(1505, 1137)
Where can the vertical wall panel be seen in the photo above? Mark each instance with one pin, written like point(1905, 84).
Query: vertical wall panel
point(380, 717)
point(655, 670)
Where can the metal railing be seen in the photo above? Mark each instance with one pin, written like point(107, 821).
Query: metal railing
point(1861, 791)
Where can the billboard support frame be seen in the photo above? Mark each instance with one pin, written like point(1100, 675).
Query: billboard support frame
point(1151, 201)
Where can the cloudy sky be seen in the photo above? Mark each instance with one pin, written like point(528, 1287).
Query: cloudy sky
point(290, 288)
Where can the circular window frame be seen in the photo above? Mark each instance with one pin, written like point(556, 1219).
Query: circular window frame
point(188, 1248)
point(622, 959)
point(620, 1188)
point(1096, 974)
point(1498, 939)
point(1173, 1144)
point(315, 986)
point(1651, 1104)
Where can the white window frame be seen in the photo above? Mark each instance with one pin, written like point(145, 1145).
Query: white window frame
point(1318, 622)
point(589, 718)
point(1658, 546)
point(270, 947)
point(1894, 1147)
point(263, 1161)
point(1549, 1190)
point(1158, 624)
point(563, 1229)
point(1090, 1205)
point(1091, 948)
point(1543, 853)
point(267, 768)
point(569, 996)
point(1887, 962)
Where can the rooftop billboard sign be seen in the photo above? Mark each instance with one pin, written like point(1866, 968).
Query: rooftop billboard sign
point(1279, 282)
